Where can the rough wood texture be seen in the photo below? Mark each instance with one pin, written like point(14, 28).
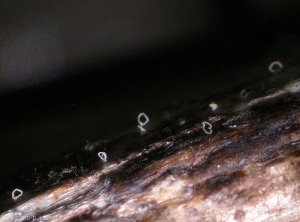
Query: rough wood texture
point(247, 169)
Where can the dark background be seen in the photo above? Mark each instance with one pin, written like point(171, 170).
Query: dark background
point(74, 71)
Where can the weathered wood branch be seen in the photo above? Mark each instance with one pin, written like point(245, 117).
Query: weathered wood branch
point(247, 169)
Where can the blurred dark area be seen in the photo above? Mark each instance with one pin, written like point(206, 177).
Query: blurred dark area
point(78, 71)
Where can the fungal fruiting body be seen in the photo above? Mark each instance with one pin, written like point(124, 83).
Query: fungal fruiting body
point(102, 156)
point(182, 121)
point(244, 94)
point(141, 123)
point(213, 106)
point(272, 67)
point(207, 127)
point(16, 193)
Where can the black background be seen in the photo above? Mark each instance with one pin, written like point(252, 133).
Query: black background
point(98, 96)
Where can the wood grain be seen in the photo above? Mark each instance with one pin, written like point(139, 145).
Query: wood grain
point(246, 170)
